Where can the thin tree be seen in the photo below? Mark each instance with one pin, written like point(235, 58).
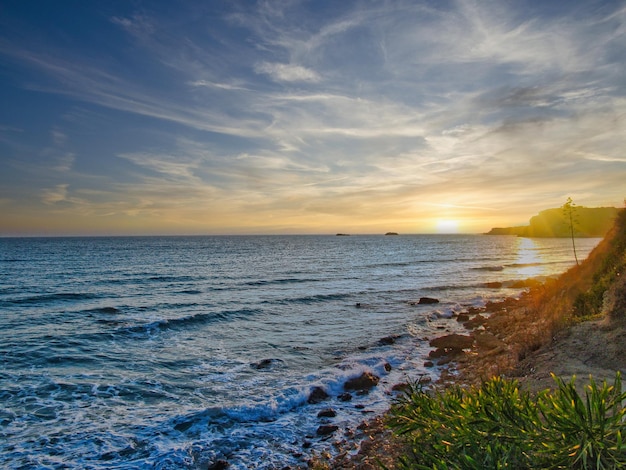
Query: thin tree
point(569, 209)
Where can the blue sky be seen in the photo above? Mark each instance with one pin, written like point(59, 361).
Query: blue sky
point(193, 117)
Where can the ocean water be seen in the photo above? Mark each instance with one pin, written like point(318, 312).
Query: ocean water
point(176, 352)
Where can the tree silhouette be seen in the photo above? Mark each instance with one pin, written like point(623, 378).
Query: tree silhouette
point(569, 211)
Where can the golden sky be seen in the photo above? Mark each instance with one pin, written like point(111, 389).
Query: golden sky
point(307, 117)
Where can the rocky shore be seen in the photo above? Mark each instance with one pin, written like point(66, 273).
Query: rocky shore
point(528, 339)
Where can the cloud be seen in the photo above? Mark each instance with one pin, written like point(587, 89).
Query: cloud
point(360, 109)
point(55, 195)
point(287, 72)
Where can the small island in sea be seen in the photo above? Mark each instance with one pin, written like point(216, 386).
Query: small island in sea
point(554, 223)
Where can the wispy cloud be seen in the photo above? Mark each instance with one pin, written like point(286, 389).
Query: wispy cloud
point(287, 72)
point(355, 110)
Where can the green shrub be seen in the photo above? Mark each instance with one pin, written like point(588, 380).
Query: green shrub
point(498, 426)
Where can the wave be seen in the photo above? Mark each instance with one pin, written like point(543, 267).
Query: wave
point(310, 299)
point(528, 265)
point(51, 298)
point(166, 278)
point(489, 268)
point(107, 310)
point(279, 281)
point(197, 319)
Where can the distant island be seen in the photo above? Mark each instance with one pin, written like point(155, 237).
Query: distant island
point(391, 233)
point(343, 235)
point(553, 223)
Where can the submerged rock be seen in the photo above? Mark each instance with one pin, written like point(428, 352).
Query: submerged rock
point(265, 364)
point(427, 301)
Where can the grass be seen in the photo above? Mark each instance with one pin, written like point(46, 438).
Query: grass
point(498, 426)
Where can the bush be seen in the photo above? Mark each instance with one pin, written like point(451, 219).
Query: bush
point(496, 426)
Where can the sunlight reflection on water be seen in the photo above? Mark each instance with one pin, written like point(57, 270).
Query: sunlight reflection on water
point(529, 262)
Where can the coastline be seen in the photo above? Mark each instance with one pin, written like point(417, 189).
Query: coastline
point(529, 339)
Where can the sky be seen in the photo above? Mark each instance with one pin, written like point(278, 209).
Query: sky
point(238, 117)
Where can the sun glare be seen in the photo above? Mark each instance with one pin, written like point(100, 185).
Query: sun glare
point(447, 226)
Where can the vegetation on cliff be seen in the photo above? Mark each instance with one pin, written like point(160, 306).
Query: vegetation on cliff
point(495, 423)
point(587, 222)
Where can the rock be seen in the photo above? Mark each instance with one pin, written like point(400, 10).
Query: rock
point(427, 301)
point(317, 395)
point(453, 341)
point(219, 465)
point(265, 364)
point(387, 340)
point(365, 381)
point(437, 353)
point(493, 285)
point(345, 396)
point(327, 413)
point(387, 367)
point(475, 322)
point(326, 429)
point(487, 340)
point(462, 318)
point(401, 387)
point(429, 364)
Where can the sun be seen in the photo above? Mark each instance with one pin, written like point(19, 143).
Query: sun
point(447, 226)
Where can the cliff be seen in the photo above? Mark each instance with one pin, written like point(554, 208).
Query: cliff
point(588, 222)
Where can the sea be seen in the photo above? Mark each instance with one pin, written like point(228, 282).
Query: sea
point(188, 352)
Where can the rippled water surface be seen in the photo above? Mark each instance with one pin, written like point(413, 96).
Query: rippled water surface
point(174, 352)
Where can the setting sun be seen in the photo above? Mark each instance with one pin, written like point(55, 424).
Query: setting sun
point(447, 226)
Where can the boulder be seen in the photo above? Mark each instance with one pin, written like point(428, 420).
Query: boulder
point(453, 341)
point(365, 381)
point(326, 429)
point(400, 387)
point(427, 301)
point(317, 395)
point(462, 318)
point(387, 340)
point(219, 465)
point(487, 340)
point(345, 396)
point(475, 322)
point(327, 413)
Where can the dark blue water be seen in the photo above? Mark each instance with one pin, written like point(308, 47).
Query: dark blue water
point(174, 352)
